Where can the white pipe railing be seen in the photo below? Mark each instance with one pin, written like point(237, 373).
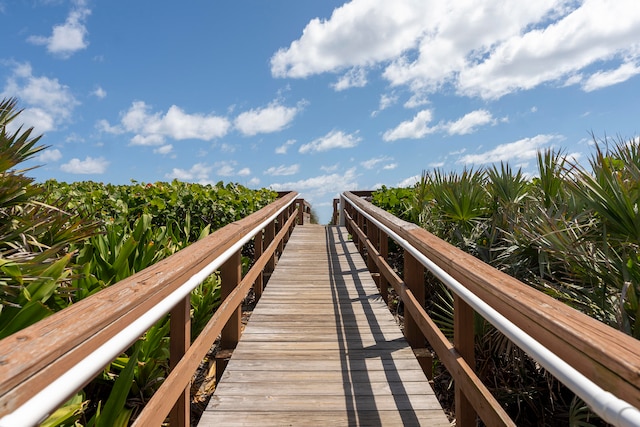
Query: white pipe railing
point(610, 408)
point(35, 410)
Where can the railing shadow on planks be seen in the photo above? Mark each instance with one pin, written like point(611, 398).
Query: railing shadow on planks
point(43, 365)
point(597, 362)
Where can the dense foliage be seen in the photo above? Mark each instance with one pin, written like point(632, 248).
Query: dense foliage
point(571, 232)
point(60, 243)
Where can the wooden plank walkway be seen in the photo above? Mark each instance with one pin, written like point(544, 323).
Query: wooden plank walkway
point(321, 348)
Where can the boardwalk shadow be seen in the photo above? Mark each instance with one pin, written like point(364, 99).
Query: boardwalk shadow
point(354, 303)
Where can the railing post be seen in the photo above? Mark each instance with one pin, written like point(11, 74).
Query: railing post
point(230, 275)
point(257, 253)
point(269, 235)
point(383, 248)
point(179, 342)
point(372, 234)
point(301, 211)
point(360, 223)
point(464, 341)
point(279, 226)
point(343, 206)
point(414, 279)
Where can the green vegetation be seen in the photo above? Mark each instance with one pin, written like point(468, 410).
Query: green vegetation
point(60, 243)
point(571, 232)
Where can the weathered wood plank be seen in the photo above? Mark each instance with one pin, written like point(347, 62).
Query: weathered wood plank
point(321, 348)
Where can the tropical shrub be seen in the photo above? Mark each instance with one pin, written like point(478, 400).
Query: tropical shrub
point(571, 232)
point(60, 243)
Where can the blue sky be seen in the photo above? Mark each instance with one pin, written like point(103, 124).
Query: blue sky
point(317, 97)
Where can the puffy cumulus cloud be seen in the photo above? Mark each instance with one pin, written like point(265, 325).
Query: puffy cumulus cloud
point(518, 151)
point(49, 155)
point(283, 170)
point(483, 48)
point(316, 187)
point(271, 118)
point(469, 122)
point(198, 172)
point(334, 139)
point(99, 93)
point(418, 127)
point(409, 182)
point(165, 149)
point(372, 163)
point(413, 129)
point(48, 103)
point(70, 37)
point(359, 33)
point(87, 166)
point(602, 79)
point(282, 149)
point(356, 77)
point(152, 128)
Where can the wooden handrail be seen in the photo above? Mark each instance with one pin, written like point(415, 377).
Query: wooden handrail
point(602, 354)
point(34, 357)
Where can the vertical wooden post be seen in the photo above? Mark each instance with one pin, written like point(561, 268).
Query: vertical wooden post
point(300, 211)
point(372, 234)
point(257, 253)
point(360, 224)
point(334, 216)
point(269, 235)
point(230, 275)
point(179, 342)
point(278, 228)
point(414, 279)
point(463, 341)
point(383, 243)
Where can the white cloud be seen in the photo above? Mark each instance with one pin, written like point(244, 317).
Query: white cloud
point(104, 126)
point(321, 185)
point(271, 118)
point(283, 170)
point(334, 139)
point(244, 172)
point(48, 102)
point(359, 33)
point(409, 182)
point(329, 169)
point(356, 77)
point(284, 147)
point(372, 163)
point(152, 128)
point(165, 149)
point(485, 48)
point(49, 155)
point(386, 101)
point(469, 122)
point(521, 150)
point(87, 166)
point(70, 37)
point(414, 128)
point(99, 92)
point(254, 182)
point(390, 166)
point(198, 172)
point(608, 78)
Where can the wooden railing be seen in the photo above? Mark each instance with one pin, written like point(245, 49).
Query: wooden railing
point(603, 355)
point(43, 365)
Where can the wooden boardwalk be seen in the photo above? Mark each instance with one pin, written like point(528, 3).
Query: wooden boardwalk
point(322, 349)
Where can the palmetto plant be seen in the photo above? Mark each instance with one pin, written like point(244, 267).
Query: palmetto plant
point(35, 264)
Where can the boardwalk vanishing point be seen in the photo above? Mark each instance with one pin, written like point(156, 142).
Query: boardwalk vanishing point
point(322, 349)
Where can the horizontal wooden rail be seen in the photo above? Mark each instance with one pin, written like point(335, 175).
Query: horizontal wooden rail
point(35, 357)
point(607, 357)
